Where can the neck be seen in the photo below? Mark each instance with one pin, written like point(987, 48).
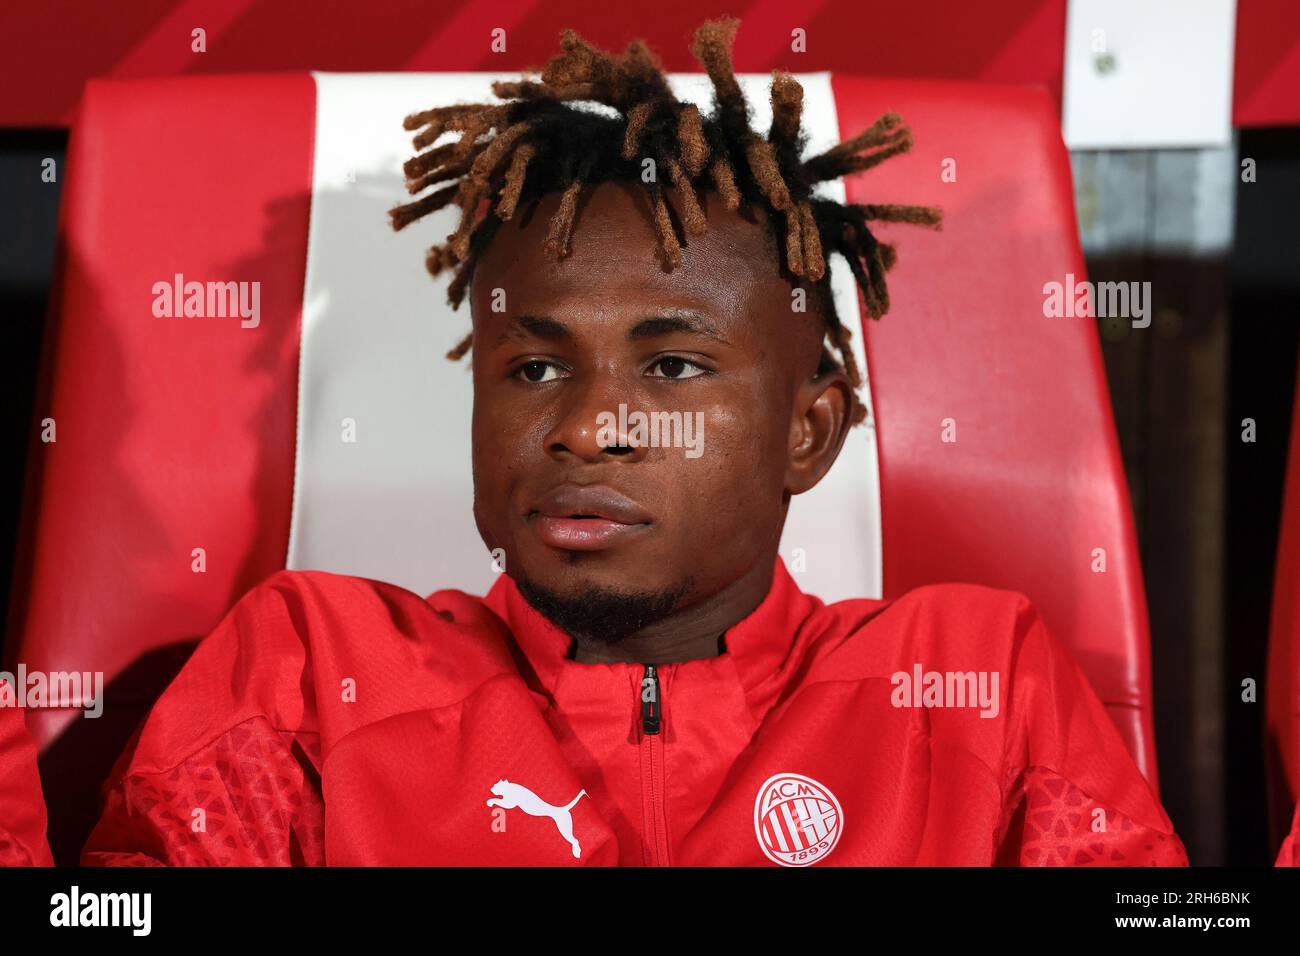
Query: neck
point(692, 633)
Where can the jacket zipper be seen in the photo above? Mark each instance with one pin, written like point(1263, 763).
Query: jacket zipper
point(650, 701)
point(654, 841)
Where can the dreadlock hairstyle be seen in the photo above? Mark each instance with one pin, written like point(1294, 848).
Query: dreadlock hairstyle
point(535, 143)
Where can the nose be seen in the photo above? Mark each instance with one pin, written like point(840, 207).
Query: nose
point(590, 426)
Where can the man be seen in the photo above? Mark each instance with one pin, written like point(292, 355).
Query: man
point(646, 685)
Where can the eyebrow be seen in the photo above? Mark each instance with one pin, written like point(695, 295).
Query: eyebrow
point(537, 326)
point(544, 327)
point(689, 323)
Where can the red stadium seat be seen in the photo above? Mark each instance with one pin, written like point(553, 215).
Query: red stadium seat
point(22, 810)
point(177, 435)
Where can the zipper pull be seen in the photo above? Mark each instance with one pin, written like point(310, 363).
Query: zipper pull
point(650, 701)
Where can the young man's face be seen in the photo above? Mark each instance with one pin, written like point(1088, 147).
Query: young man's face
point(578, 517)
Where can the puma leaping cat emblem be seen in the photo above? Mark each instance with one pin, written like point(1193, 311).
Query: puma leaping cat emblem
point(510, 795)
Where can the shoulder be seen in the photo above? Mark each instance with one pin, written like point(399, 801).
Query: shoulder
point(960, 626)
point(301, 644)
point(332, 615)
point(951, 602)
point(328, 589)
point(320, 608)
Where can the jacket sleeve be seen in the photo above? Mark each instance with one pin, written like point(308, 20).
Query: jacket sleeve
point(251, 797)
point(22, 808)
point(1072, 794)
point(225, 769)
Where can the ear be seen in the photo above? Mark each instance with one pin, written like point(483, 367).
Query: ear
point(819, 423)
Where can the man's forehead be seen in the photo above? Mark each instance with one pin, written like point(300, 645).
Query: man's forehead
point(643, 326)
point(614, 249)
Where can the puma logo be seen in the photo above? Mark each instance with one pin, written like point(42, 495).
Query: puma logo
point(510, 795)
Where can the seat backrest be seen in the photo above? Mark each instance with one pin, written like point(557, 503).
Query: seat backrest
point(197, 455)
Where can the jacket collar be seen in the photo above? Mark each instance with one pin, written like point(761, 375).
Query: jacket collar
point(759, 646)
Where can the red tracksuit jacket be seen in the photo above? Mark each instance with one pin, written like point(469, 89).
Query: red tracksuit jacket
point(334, 720)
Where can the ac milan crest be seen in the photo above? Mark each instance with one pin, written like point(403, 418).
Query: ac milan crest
point(796, 819)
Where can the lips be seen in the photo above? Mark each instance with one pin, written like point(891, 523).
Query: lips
point(590, 518)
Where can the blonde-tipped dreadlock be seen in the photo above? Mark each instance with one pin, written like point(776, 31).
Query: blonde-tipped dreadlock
point(533, 144)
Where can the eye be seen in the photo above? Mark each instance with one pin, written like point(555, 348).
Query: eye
point(674, 366)
point(537, 371)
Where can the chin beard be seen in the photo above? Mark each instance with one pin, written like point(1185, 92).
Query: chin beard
point(602, 614)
